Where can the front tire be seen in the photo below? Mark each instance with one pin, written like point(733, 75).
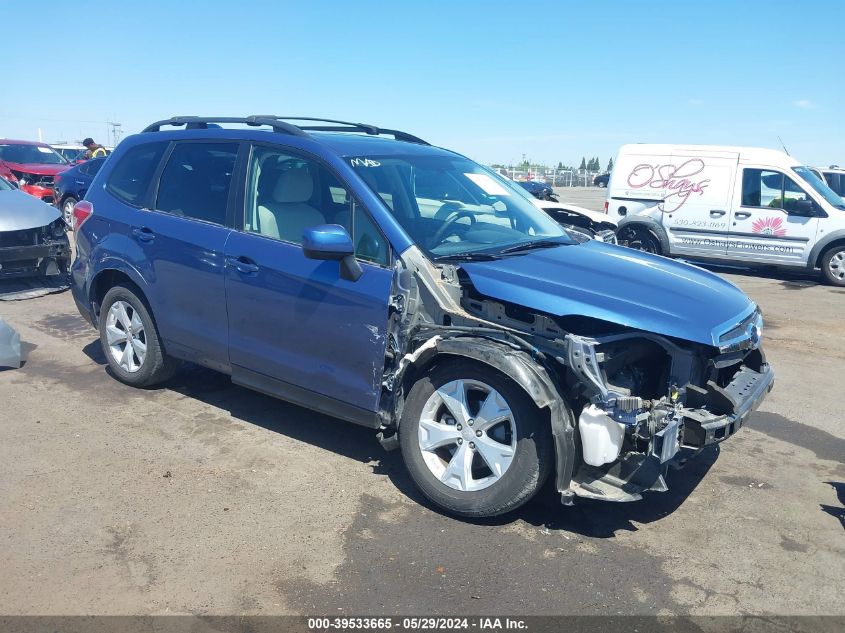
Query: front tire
point(130, 340)
point(473, 441)
point(833, 265)
point(640, 239)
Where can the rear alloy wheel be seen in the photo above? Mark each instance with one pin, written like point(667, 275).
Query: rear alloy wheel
point(472, 440)
point(640, 239)
point(833, 265)
point(67, 208)
point(130, 340)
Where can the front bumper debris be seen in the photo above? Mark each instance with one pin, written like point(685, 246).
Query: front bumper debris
point(710, 415)
point(36, 259)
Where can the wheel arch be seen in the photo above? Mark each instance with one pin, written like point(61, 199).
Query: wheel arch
point(836, 238)
point(107, 278)
point(523, 370)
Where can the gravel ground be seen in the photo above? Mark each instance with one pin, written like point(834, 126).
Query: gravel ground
point(202, 497)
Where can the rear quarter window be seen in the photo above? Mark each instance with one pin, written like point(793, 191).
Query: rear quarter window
point(130, 178)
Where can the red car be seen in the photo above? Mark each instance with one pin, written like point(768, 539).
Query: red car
point(31, 166)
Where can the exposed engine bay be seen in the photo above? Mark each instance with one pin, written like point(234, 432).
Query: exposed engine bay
point(623, 404)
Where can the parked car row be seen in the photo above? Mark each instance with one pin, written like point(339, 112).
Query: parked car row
point(494, 347)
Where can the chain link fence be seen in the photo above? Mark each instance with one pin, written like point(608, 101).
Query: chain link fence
point(552, 176)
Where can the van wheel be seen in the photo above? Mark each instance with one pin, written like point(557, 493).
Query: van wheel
point(640, 239)
point(833, 265)
point(130, 340)
point(473, 442)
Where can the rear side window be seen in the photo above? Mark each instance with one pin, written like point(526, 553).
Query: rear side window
point(130, 178)
point(195, 182)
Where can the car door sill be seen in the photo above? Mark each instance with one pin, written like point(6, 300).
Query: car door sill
point(304, 397)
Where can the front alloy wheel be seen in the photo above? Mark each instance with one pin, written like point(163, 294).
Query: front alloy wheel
point(473, 441)
point(466, 435)
point(833, 265)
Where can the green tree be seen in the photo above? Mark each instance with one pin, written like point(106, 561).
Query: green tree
point(559, 165)
point(583, 164)
point(610, 164)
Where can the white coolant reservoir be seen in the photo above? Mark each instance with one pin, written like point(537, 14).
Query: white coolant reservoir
point(601, 436)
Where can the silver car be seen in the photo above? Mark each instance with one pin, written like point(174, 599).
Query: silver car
point(33, 236)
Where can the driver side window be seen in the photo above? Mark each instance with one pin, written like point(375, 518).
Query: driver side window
point(772, 189)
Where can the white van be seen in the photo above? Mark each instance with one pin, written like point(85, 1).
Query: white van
point(743, 205)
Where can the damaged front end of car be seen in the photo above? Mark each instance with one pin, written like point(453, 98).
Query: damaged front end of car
point(623, 404)
point(33, 237)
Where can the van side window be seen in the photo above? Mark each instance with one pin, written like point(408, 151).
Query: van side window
point(195, 181)
point(287, 194)
point(772, 189)
point(130, 178)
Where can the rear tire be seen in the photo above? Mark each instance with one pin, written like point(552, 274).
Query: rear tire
point(126, 322)
point(640, 239)
point(833, 265)
point(507, 446)
point(602, 184)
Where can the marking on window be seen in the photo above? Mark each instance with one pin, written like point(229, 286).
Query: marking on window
point(364, 162)
point(488, 185)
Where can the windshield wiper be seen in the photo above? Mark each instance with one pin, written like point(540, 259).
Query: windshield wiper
point(527, 246)
point(467, 257)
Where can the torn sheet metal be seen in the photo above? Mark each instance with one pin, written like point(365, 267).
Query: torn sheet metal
point(10, 346)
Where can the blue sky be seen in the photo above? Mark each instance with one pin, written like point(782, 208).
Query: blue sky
point(495, 80)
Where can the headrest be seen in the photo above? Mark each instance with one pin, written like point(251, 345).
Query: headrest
point(294, 185)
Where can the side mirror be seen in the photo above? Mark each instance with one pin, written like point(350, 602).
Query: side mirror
point(332, 242)
point(804, 208)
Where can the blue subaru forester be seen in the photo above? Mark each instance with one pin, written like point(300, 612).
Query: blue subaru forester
point(363, 273)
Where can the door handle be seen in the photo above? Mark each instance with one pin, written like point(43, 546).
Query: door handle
point(80, 182)
point(741, 215)
point(242, 264)
point(144, 234)
point(716, 213)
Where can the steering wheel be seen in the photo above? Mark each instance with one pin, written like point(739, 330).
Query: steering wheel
point(451, 218)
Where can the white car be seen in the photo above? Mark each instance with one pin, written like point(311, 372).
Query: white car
point(595, 224)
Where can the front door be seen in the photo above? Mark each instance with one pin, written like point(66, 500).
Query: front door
point(296, 328)
point(773, 221)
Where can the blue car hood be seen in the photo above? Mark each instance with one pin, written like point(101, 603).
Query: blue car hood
point(615, 284)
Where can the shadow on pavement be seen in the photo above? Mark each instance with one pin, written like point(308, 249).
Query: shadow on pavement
point(586, 517)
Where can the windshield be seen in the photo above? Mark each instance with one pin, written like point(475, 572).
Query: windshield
point(452, 207)
point(820, 186)
point(31, 154)
point(5, 186)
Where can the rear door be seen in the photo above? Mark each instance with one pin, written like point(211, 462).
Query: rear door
point(296, 328)
point(769, 223)
point(183, 237)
